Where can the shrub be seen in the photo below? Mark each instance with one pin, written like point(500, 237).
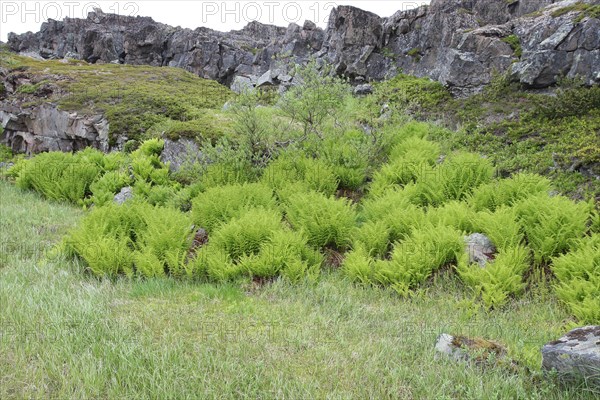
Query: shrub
point(132, 238)
point(415, 259)
point(578, 275)
point(219, 204)
point(551, 224)
point(286, 253)
point(394, 210)
point(499, 278)
point(58, 176)
point(327, 221)
point(501, 226)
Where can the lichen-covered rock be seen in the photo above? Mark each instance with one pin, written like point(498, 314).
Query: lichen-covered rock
point(480, 249)
point(125, 194)
point(178, 153)
point(575, 356)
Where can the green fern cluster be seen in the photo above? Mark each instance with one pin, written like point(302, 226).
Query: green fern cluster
point(325, 220)
point(133, 239)
point(256, 244)
point(220, 204)
point(294, 171)
point(578, 275)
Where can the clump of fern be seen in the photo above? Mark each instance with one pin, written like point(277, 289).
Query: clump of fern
point(551, 224)
point(499, 278)
point(220, 204)
point(327, 221)
point(507, 192)
point(578, 279)
point(412, 261)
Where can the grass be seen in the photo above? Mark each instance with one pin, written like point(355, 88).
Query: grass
point(68, 335)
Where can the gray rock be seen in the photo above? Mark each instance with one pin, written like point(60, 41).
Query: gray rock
point(242, 83)
point(125, 194)
point(480, 248)
point(575, 356)
point(180, 153)
point(265, 79)
point(362, 90)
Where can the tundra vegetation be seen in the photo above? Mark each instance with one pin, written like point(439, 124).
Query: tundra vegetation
point(315, 249)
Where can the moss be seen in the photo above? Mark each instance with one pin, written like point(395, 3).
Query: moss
point(415, 53)
point(405, 90)
point(133, 98)
point(515, 43)
point(583, 9)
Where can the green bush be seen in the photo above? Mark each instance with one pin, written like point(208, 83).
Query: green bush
point(551, 224)
point(374, 237)
point(244, 235)
point(395, 211)
point(325, 220)
point(578, 275)
point(454, 179)
point(501, 227)
point(132, 238)
point(104, 188)
point(499, 278)
point(359, 266)
point(454, 214)
point(220, 204)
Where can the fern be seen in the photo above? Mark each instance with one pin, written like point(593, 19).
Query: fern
point(551, 224)
point(499, 278)
point(507, 192)
point(325, 220)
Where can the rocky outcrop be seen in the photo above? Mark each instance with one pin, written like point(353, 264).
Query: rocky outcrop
point(46, 128)
point(457, 42)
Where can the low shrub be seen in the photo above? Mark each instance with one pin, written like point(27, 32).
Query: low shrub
point(427, 249)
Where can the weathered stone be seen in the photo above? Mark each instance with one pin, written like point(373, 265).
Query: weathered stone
point(480, 248)
point(575, 356)
point(364, 89)
point(178, 153)
point(125, 194)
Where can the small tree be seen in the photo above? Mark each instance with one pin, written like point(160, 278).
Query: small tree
point(318, 95)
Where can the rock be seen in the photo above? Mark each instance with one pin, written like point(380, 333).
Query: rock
point(575, 356)
point(265, 80)
point(362, 90)
point(125, 194)
point(456, 42)
point(46, 128)
point(462, 348)
point(178, 153)
point(480, 248)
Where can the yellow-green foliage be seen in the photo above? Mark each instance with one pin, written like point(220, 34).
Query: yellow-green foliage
point(578, 276)
point(552, 224)
point(506, 192)
point(325, 220)
point(301, 171)
point(132, 239)
point(405, 90)
point(59, 176)
point(427, 249)
point(220, 204)
point(499, 278)
point(501, 226)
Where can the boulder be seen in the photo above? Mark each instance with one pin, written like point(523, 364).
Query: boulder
point(575, 356)
point(125, 194)
point(178, 153)
point(480, 248)
point(362, 90)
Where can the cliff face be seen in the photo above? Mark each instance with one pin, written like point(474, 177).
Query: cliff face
point(457, 42)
